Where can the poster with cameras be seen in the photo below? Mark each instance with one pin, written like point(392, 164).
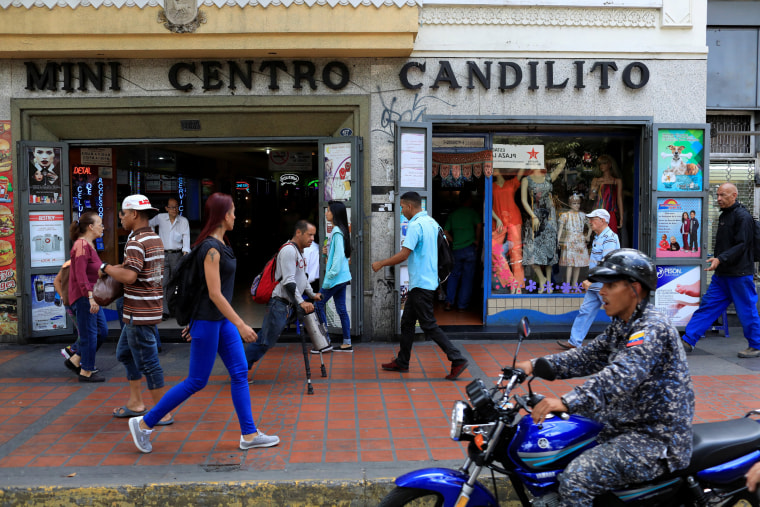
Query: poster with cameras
point(48, 312)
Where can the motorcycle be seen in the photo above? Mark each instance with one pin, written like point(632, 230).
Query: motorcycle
point(532, 456)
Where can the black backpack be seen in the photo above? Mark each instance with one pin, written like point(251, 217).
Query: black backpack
point(445, 257)
point(184, 289)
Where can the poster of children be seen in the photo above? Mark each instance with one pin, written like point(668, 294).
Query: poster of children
point(680, 160)
point(678, 290)
point(678, 227)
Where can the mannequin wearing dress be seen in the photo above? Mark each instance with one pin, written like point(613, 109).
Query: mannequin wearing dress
point(607, 191)
point(507, 222)
point(540, 232)
point(573, 251)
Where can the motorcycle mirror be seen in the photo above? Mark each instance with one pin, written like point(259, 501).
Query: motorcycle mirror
point(523, 331)
point(544, 369)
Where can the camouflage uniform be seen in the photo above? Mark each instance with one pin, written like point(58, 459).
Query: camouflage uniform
point(641, 391)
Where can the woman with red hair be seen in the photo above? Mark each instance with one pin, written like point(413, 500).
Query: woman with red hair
point(216, 329)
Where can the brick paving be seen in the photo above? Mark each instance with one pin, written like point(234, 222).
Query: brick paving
point(359, 417)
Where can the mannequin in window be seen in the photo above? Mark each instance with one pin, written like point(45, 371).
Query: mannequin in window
point(507, 222)
point(540, 232)
point(607, 191)
point(572, 243)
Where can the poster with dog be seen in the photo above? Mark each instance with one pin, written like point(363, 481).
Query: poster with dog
point(680, 160)
point(678, 227)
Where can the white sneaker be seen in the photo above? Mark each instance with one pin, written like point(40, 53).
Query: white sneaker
point(260, 440)
point(329, 348)
point(140, 437)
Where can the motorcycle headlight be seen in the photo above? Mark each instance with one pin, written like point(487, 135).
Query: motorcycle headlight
point(458, 416)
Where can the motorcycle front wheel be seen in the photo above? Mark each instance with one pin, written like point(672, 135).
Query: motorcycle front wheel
point(412, 497)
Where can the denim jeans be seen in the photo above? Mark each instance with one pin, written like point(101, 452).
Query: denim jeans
point(93, 329)
point(338, 293)
point(419, 306)
point(592, 302)
point(138, 352)
point(120, 311)
point(211, 337)
point(459, 284)
point(724, 290)
point(275, 319)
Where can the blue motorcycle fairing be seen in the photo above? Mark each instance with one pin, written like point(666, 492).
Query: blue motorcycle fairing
point(734, 470)
point(554, 443)
point(448, 483)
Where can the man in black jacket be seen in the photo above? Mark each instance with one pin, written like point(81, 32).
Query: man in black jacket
point(734, 267)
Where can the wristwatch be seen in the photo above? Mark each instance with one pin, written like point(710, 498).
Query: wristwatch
point(103, 266)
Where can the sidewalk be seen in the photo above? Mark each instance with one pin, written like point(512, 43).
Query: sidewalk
point(344, 445)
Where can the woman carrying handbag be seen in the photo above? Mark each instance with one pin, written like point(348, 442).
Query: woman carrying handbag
point(83, 273)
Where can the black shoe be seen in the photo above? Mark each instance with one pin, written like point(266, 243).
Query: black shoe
point(71, 366)
point(95, 377)
point(687, 347)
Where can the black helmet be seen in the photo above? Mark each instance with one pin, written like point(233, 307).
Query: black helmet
point(625, 264)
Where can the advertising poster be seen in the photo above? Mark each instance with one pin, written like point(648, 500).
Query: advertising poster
point(47, 308)
point(44, 167)
point(678, 292)
point(8, 315)
point(337, 172)
point(680, 160)
point(290, 161)
point(678, 227)
point(46, 233)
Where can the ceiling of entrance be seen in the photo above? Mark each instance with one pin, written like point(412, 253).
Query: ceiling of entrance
point(169, 125)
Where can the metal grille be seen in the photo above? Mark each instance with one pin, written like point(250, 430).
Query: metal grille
point(741, 174)
point(733, 144)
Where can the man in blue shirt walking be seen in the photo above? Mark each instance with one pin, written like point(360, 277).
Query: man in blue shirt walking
point(421, 248)
point(604, 242)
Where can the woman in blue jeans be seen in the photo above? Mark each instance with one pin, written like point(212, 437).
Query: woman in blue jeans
point(83, 273)
point(337, 273)
point(216, 328)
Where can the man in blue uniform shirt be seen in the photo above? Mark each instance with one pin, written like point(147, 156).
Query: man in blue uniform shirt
point(638, 387)
point(421, 248)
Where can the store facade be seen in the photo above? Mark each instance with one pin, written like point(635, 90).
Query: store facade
point(426, 105)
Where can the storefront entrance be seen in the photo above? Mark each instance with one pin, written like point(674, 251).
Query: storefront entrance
point(275, 180)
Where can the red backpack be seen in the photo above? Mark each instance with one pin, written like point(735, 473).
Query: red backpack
point(264, 283)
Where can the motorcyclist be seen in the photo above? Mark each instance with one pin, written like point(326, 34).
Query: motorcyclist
point(638, 387)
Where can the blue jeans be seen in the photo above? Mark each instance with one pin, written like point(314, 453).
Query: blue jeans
point(211, 337)
point(275, 320)
point(138, 352)
point(338, 293)
point(721, 292)
point(120, 311)
point(592, 301)
point(460, 279)
point(93, 329)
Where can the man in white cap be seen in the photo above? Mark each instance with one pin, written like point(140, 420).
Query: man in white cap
point(604, 242)
point(142, 274)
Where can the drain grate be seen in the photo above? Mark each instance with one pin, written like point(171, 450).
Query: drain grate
point(230, 467)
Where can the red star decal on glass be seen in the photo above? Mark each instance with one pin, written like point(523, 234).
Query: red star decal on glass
point(533, 153)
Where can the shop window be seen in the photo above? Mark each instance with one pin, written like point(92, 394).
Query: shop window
point(542, 189)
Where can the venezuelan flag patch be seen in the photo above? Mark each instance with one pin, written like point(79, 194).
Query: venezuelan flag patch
point(636, 338)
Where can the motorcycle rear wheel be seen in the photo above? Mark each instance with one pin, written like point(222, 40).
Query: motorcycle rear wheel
point(415, 497)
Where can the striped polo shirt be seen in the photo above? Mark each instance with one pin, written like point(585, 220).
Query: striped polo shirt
point(143, 299)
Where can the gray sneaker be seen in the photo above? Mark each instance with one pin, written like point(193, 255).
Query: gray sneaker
point(260, 440)
point(749, 352)
point(140, 436)
point(687, 347)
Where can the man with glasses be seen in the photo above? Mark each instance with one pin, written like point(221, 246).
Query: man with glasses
point(174, 231)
